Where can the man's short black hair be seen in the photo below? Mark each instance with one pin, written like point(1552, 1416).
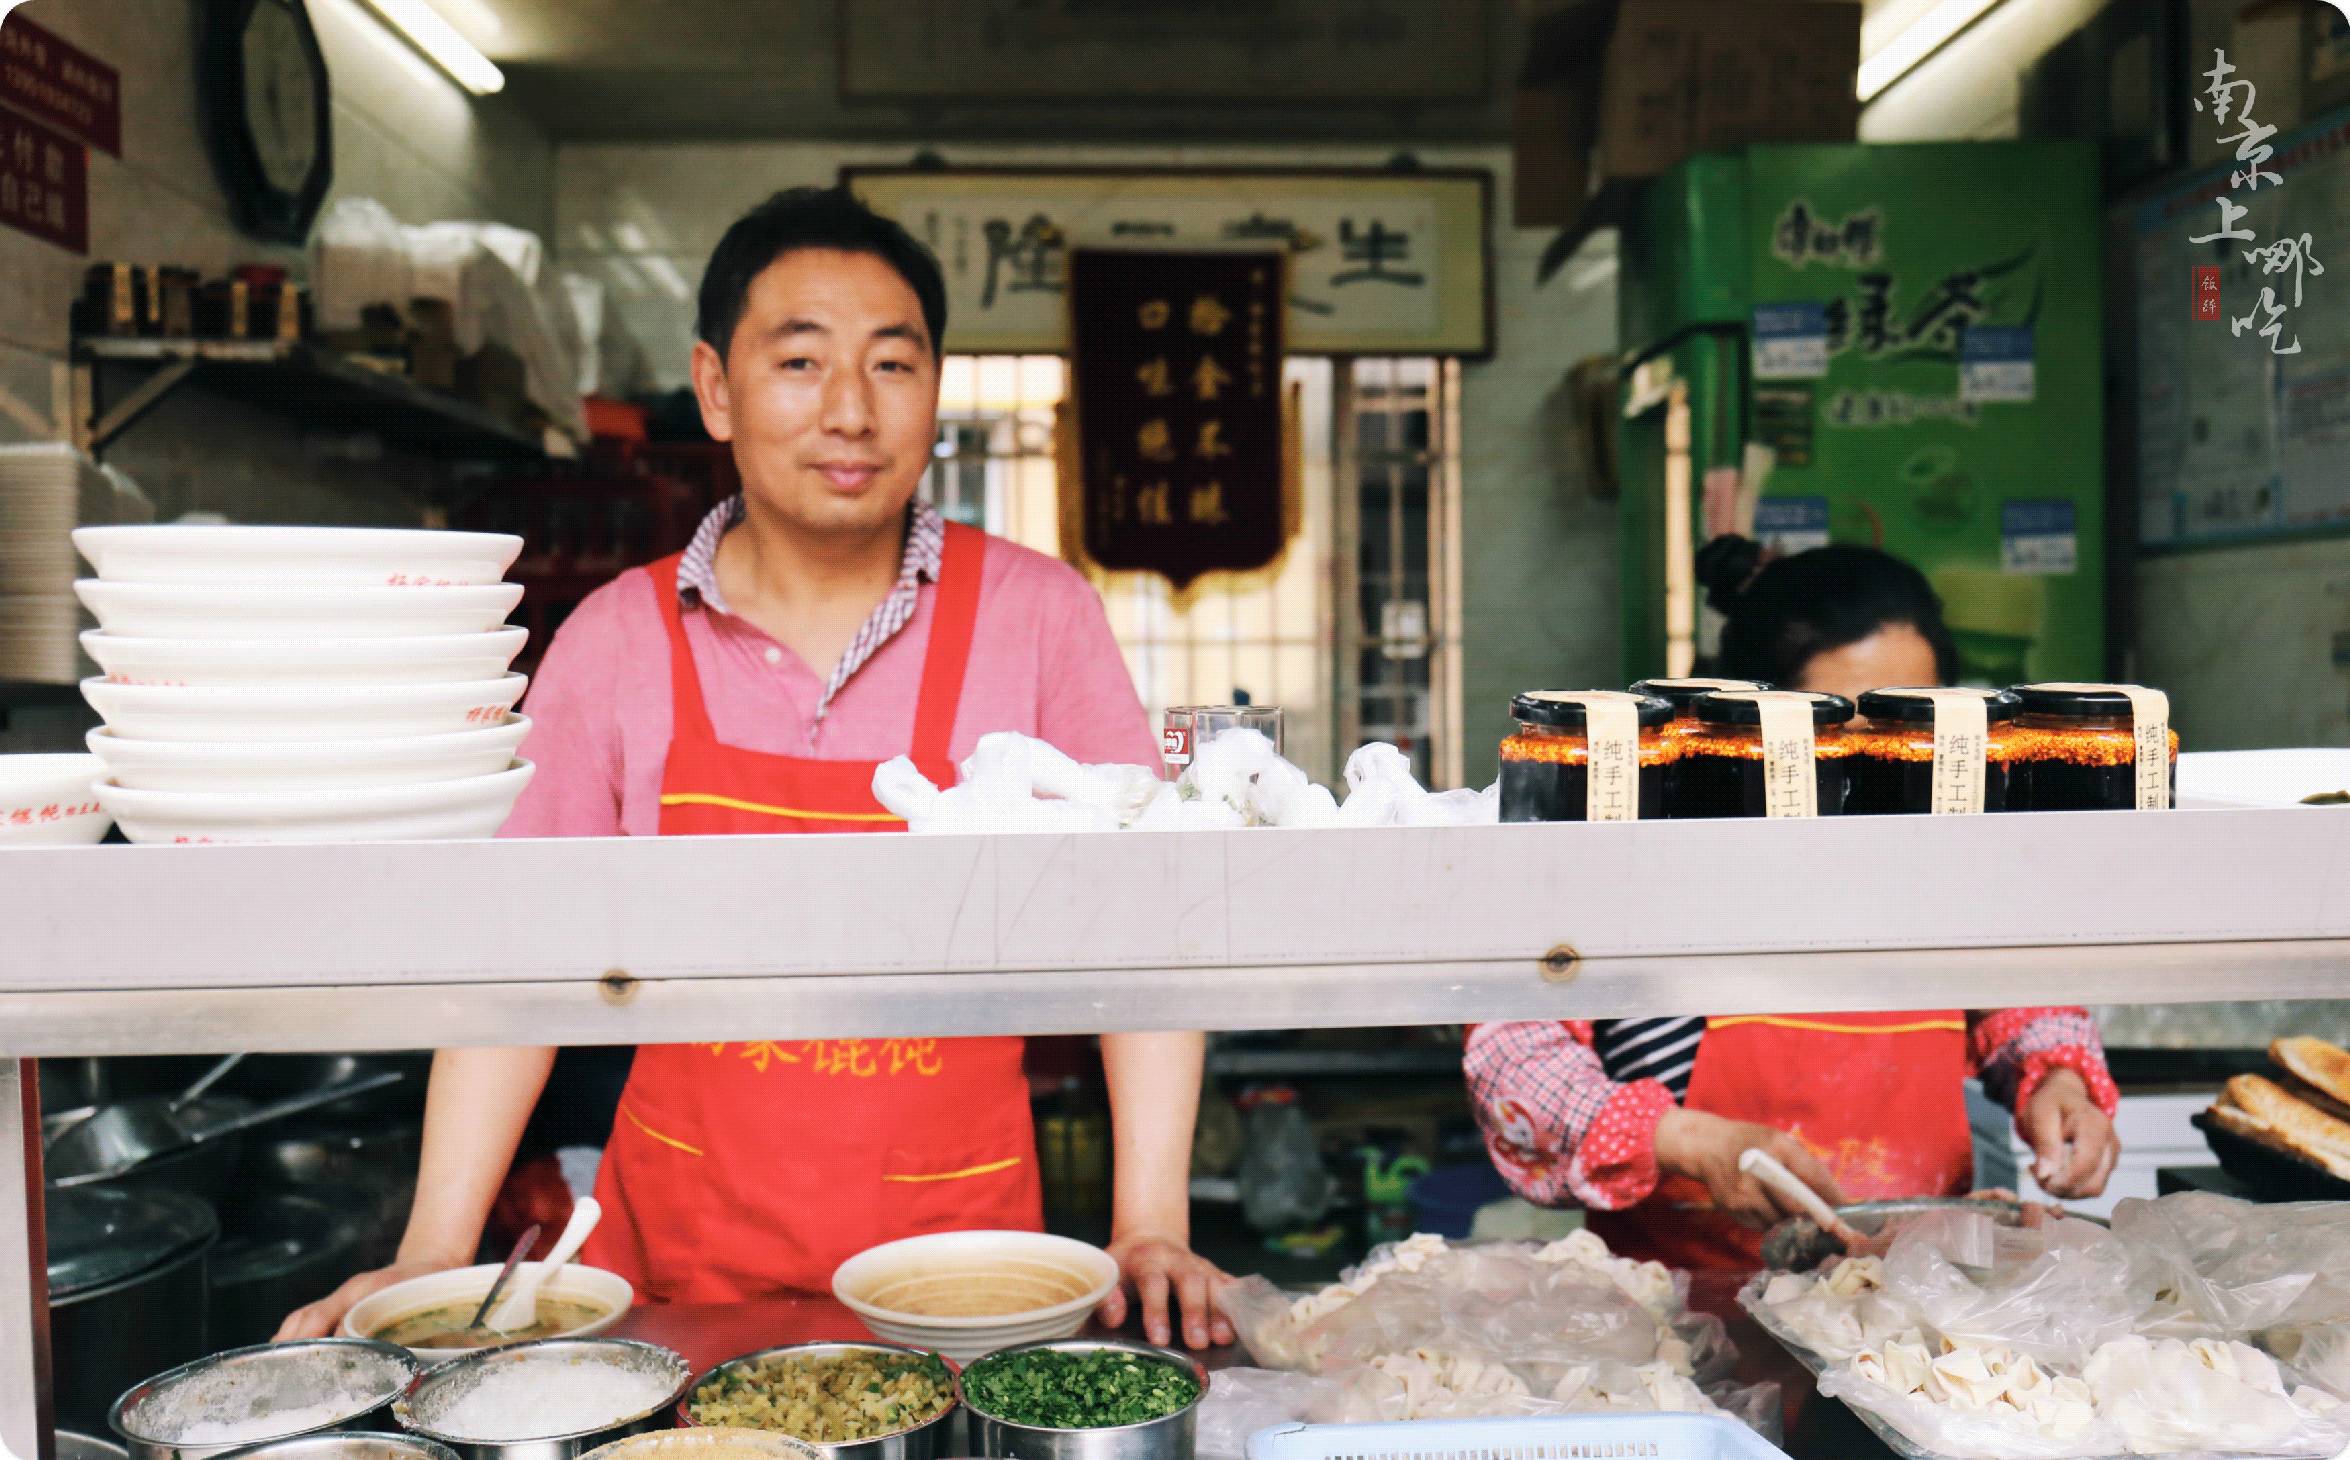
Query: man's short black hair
point(800, 218)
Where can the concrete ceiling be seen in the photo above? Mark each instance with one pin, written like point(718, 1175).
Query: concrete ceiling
point(646, 69)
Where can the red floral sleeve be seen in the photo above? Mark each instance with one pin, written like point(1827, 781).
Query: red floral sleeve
point(1558, 1129)
point(2013, 1050)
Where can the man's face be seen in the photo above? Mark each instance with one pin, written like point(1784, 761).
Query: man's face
point(829, 392)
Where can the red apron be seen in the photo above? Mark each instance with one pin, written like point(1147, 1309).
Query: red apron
point(743, 1169)
point(1879, 1098)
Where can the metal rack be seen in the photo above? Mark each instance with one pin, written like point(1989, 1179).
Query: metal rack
point(320, 388)
point(150, 950)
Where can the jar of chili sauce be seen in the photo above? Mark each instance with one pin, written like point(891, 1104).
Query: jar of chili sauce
point(1775, 753)
point(2094, 747)
point(1932, 751)
point(1683, 695)
point(1586, 755)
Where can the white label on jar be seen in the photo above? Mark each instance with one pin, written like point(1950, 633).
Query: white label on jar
point(1175, 745)
point(2150, 734)
point(1791, 777)
point(2150, 727)
point(1611, 783)
point(1962, 734)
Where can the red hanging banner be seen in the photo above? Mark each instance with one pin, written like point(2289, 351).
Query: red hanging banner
point(58, 82)
point(44, 183)
point(1176, 364)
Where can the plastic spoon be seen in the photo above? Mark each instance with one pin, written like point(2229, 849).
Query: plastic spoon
point(520, 1307)
point(1767, 1168)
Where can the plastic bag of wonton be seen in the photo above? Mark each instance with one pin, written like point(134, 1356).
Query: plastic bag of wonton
point(1379, 783)
point(1021, 765)
point(2168, 1397)
point(2321, 1355)
point(2214, 1266)
point(1241, 1402)
point(2055, 1293)
point(1995, 1431)
point(1228, 767)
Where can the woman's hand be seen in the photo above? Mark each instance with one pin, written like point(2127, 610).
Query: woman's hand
point(322, 1318)
point(1158, 1269)
point(2073, 1145)
point(1706, 1147)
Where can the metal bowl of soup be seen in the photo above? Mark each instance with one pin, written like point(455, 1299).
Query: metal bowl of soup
point(428, 1315)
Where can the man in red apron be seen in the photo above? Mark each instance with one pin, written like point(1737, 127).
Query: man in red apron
point(819, 625)
point(1642, 1121)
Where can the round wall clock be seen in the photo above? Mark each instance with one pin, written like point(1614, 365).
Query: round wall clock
point(263, 87)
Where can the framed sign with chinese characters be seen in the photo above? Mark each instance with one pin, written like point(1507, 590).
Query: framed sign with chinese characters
point(1180, 463)
point(1380, 263)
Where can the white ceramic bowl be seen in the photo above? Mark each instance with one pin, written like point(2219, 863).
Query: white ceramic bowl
point(290, 556)
point(426, 811)
point(430, 659)
point(301, 712)
point(51, 801)
point(217, 611)
point(579, 1284)
point(288, 765)
point(1054, 1283)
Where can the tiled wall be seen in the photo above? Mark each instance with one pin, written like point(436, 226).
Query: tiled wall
point(2253, 643)
point(1540, 570)
point(403, 134)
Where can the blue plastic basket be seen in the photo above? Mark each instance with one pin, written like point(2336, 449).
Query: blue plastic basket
point(1557, 1437)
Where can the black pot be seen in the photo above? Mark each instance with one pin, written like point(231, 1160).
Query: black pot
point(284, 1247)
point(372, 1160)
point(127, 1288)
point(73, 1084)
point(206, 1172)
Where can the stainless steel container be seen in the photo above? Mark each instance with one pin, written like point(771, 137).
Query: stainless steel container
point(1170, 1437)
point(707, 1444)
point(925, 1441)
point(73, 1446)
point(346, 1447)
point(252, 1378)
point(434, 1391)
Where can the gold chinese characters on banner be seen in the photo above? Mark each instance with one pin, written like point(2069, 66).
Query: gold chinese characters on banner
point(1179, 462)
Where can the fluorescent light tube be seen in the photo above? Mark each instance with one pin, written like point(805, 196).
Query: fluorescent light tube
point(424, 29)
point(1917, 40)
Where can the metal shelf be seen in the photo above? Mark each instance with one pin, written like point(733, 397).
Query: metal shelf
point(322, 389)
point(151, 950)
point(638, 940)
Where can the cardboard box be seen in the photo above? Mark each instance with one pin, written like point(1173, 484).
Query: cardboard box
point(1623, 89)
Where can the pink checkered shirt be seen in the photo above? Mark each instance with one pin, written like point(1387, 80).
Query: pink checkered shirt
point(926, 533)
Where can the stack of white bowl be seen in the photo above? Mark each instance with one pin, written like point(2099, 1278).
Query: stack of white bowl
point(47, 489)
point(304, 684)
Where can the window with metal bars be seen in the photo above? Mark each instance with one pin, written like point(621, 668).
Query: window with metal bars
point(1353, 632)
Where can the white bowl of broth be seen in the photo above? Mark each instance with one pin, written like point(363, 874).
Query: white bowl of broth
point(428, 1315)
point(965, 1294)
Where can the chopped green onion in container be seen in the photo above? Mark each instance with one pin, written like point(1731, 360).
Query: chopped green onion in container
point(1097, 1390)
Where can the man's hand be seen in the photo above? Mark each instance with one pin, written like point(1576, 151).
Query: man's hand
point(1158, 1269)
point(1706, 1148)
point(2073, 1145)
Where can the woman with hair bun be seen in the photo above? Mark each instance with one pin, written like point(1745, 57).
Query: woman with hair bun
point(1642, 1121)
